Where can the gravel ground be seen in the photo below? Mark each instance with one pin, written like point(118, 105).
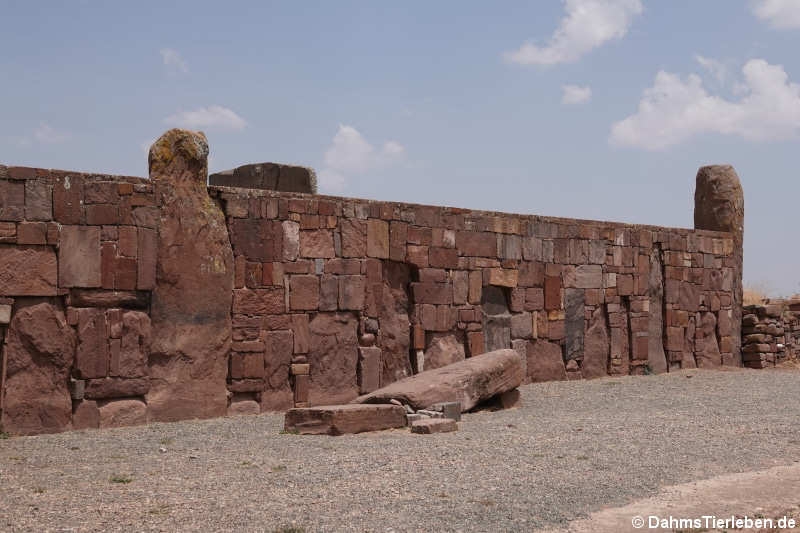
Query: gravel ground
point(572, 448)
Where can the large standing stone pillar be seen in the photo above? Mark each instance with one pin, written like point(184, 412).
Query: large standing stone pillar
point(191, 303)
point(719, 206)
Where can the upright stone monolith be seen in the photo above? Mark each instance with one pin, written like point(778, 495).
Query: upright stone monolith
point(719, 206)
point(191, 303)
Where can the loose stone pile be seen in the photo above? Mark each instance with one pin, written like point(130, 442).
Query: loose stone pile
point(770, 333)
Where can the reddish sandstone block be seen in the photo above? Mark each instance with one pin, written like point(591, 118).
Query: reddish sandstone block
point(258, 301)
point(108, 263)
point(316, 243)
point(432, 293)
point(12, 200)
point(351, 292)
point(91, 357)
point(257, 239)
point(354, 237)
point(125, 273)
point(301, 388)
point(146, 249)
point(38, 200)
point(417, 256)
point(503, 277)
point(398, 237)
point(8, 232)
point(79, 257)
point(329, 293)
point(420, 236)
point(460, 287)
point(475, 287)
point(248, 365)
point(67, 199)
point(302, 336)
point(31, 233)
point(98, 214)
point(128, 241)
point(552, 292)
point(443, 257)
point(624, 284)
point(344, 419)
point(100, 192)
point(476, 244)
point(304, 292)
point(476, 343)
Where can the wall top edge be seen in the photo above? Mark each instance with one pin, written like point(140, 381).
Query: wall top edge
point(26, 173)
point(255, 193)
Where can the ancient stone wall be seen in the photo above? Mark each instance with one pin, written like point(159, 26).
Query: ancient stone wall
point(770, 333)
point(125, 300)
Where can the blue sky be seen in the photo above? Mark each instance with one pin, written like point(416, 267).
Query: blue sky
point(599, 109)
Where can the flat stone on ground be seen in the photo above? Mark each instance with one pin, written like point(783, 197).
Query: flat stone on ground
point(342, 419)
point(434, 425)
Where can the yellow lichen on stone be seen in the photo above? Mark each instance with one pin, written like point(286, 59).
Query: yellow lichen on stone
point(179, 152)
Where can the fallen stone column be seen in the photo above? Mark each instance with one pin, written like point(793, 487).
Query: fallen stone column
point(343, 419)
point(469, 382)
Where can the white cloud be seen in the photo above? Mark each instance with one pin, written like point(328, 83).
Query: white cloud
point(173, 61)
point(586, 25)
point(714, 67)
point(212, 117)
point(350, 154)
point(782, 14)
point(46, 134)
point(575, 94)
point(674, 110)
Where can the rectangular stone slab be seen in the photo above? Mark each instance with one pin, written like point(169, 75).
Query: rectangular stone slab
point(434, 425)
point(470, 382)
point(342, 419)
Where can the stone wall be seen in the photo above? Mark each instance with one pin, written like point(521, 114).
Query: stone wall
point(771, 333)
point(125, 300)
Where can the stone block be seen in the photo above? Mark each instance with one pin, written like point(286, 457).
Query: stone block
point(344, 419)
point(242, 407)
point(28, 271)
point(354, 237)
point(434, 425)
point(589, 277)
point(451, 410)
point(432, 293)
point(304, 292)
point(476, 244)
point(67, 199)
point(377, 238)
point(116, 387)
point(120, 413)
point(86, 415)
point(91, 358)
point(317, 244)
point(12, 200)
point(258, 301)
point(552, 292)
point(521, 326)
point(291, 240)
point(79, 257)
point(369, 369)
point(351, 292)
point(501, 277)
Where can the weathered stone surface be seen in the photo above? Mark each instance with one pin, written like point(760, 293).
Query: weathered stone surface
point(596, 351)
point(91, 359)
point(656, 358)
point(344, 419)
point(191, 302)
point(258, 301)
point(277, 364)
point(86, 415)
point(270, 176)
point(706, 348)
point(316, 243)
point(427, 426)
point(719, 206)
point(496, 319)
point(121, 413)
point(377, 238)
point(304, 292)
point(574, 322)
point(521, 326)
point(131, 361)
point(116, 387)
point(443, 349)
point(28, 271)
point(354, 237)
point(40, 347)
point(545, 362)
point(291, 240)
point(369, 369)
point(243, 407)
point(333, 357)
point(79, 257)
point(470, 382)
point(395, 337)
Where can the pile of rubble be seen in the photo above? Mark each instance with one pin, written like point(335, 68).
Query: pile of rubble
point(429, 402)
